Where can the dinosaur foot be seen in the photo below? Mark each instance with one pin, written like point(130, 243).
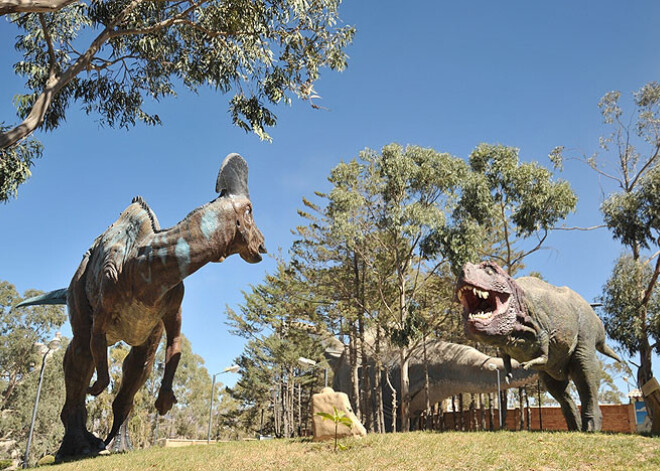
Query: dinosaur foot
point(76, 446)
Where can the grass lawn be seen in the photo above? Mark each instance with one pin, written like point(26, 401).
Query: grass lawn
point(411, 451)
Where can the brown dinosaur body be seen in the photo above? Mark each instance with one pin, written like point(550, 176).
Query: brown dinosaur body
point(552, 329)
point(129, 287)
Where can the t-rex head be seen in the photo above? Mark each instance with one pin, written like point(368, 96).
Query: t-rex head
point(232, 182)
point(490, 299)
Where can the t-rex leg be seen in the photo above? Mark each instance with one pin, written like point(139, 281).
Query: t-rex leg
point(172, 322)
point(78, 370)
point(585, 374)
point(135, 371)
point(559, 390)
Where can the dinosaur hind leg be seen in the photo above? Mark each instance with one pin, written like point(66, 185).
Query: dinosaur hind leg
point(135, 371)
point(78, 370)
point(559, 390)
point(585, 374)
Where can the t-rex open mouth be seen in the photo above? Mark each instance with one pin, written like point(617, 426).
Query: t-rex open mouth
point(479, 304)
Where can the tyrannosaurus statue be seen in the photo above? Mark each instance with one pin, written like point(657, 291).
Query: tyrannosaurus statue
point(129, 287)
point(552, 329)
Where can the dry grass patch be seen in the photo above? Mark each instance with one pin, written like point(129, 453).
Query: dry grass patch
point(411, 451)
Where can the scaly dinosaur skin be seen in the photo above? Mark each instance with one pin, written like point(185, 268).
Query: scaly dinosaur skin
point(552, 329)
point(129, 287)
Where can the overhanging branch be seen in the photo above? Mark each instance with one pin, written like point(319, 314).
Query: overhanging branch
point(32, 6)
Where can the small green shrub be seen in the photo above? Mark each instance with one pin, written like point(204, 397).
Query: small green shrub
point(338, 417)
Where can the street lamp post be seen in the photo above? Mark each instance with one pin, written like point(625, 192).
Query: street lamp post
point(53, 345)
point(229, 369)
point(493, 367)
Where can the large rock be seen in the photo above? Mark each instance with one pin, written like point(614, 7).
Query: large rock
point(325, 429)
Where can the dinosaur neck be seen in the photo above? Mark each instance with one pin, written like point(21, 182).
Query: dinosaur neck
point(170, 255)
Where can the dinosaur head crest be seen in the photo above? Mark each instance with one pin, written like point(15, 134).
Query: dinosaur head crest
point(490, 298)
point(233, 177)
point(248, 241)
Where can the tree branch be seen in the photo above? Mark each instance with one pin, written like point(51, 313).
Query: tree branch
point(178, 19)
point(654, 278)
point(52, 61)
point(32, 6)
point(577, 228)
point(55, 83)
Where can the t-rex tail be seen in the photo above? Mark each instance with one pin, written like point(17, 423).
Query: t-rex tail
point(606, 350)
point(54, 297)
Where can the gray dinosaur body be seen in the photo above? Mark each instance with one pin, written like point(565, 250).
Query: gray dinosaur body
point(552, 329)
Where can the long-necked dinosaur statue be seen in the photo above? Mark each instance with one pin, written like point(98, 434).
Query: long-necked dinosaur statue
point(452, 369)
point(129, 287)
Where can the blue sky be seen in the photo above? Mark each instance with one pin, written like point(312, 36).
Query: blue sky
point(446, 75)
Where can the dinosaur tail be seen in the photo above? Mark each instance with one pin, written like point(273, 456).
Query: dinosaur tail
point(606, 350)
point(54, 297)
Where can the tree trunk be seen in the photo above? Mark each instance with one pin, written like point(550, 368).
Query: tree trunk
point(522, 408)
point(460, 412)
point(394, 405)
point(426, 383)
point(472, 425)
point(529, 411)
point(367, 403)
point(355, 378)
point(378, 388)
point(405, 390)
point(491, 412)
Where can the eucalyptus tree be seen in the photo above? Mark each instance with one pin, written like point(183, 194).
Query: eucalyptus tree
point(628, 160)
point(19, 406)
point(383, 206)
point(280, 321)
point(516, 204)
point(20, 330)
point(111, 56)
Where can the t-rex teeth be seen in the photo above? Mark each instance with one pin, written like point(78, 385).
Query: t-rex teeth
point(481, 315)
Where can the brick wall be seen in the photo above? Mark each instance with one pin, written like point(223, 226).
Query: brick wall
point(616, 418)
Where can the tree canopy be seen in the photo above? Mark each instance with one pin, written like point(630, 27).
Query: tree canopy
point(112, 56)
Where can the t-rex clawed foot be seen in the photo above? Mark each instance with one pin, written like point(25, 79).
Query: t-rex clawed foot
point(79, 444)
point(165, 401)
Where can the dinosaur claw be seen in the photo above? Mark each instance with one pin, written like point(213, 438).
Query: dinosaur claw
point(165, 401)
point(98, 387)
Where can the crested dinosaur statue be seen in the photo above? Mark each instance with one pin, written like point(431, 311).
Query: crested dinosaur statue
point(453, 369)
point(129, 287)
point(548, 328)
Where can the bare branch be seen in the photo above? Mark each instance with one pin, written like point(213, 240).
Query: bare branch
point(648, 163)
point(578, 228)
point(32, 6)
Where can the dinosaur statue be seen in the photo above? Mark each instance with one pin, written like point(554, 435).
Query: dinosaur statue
point(453, 369)
point(129, 287)
point(552, 329)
